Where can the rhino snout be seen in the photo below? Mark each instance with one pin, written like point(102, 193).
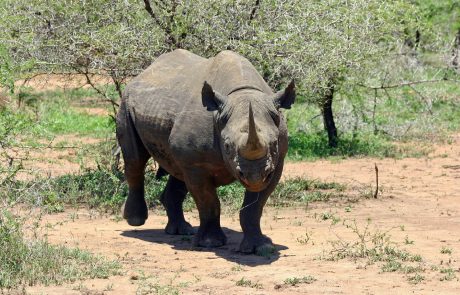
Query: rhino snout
point(255, 179)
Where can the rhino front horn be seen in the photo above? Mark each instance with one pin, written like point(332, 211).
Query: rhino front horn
point(254, 148)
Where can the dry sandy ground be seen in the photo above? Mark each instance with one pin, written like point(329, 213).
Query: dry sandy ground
point(419, 202)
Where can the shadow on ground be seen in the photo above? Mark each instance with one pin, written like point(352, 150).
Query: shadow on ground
point(184, 243)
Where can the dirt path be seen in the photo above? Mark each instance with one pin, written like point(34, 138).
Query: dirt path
point(419, 205)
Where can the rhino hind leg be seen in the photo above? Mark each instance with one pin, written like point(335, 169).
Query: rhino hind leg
point(135, 157)
point(172, 198)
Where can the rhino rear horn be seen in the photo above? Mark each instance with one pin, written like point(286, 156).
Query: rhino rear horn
point(285, 98)
point(211, 99)
point(253, 149)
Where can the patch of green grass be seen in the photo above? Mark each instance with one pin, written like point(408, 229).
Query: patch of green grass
point(294, 281)
point(31, 262)
point(51, 113)
point(301, 190)
point(376, 247)
point(97, 188)
point(60, 119)
point(309, 146)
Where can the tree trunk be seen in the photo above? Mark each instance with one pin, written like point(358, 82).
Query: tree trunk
point(456, 51)
point(328, 118)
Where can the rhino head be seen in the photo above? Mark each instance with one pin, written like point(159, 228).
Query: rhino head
point(248, 122)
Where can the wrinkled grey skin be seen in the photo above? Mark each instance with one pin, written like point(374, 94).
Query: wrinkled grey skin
point(207, 122)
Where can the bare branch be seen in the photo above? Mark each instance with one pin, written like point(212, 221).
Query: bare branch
point(376, 181)
point(427, 100)
point(99, 91)
point(169, 34)
point(408, 83)
point(254, 10)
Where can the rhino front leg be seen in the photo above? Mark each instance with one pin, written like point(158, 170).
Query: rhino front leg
point(172, 198)
point(251, 213)
point(210, 233)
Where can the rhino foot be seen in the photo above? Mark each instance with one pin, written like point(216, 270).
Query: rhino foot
point(135, 213)
point(210, 239)
point(261, 246)
point(179, 228)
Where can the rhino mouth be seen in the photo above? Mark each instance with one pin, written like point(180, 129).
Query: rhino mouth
point(256, 185)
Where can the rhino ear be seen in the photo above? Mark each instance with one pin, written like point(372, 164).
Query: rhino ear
point(285, 98)
point(211, 99)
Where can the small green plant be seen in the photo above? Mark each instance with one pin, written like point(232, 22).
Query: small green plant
point(392, 266)
point(330, 216)
point(243, 282)
point(446, 250)
point(448, 274)
point(415, 279)
point(266, 251)
point(407, 241)
point(237, 267)
point(294, 281)
point(305, 239)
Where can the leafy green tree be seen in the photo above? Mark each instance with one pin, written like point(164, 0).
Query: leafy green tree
point(441, 31)
point(330, 45)
point(324, 45)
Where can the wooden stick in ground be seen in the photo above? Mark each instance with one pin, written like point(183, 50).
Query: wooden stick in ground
point(376, 181)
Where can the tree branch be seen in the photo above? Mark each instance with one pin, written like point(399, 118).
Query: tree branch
point(169, 34)
point(427, 100)
point(408, 83)
point(99, 91)
point(254, 11)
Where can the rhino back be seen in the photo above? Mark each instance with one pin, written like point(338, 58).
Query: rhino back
point(166, 88)
point(229, 71)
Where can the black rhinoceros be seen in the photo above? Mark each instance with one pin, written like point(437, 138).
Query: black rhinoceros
point(207, 122)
